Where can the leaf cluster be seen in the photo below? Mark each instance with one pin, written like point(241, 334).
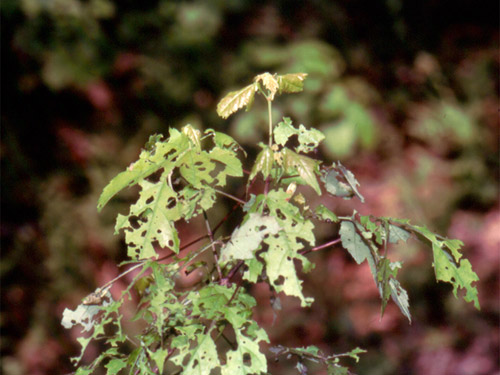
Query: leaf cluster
point(179, 179)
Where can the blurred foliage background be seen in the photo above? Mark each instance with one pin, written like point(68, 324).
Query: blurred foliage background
point(406, 93)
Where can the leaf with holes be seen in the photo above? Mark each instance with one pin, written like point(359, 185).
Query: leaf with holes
point(309, 139)
point(284, 246)
point(229, 164)
point(152, 159)
point(151, 220)
point(246, 239)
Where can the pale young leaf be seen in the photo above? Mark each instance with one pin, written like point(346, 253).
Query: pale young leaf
point(236, 100)
point(269, 82)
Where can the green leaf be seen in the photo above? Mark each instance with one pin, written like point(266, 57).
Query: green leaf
point(196, 167)
point(354, 353)
point(280, 267)
point(284, 246)
point(397, 234)
point(283, 131)
point(222, 140)
point(334, 186)
point(400, 297)
point(150, 220)
point(231, 165)
point(115, 365)
point(390, 287)
point(354, 243)
point(237, 362)
point(152, 159)
point(303, 165)
point(337, 370)
point(448, 266)
point(236, 100)
point(325, 214)
point(159, 357)
point(460, 275)
point(351, 180)
point(291, 83)
point(341, 182)
point(263, 163)
point(246, 239)
point(308, 138)
point(203, 357)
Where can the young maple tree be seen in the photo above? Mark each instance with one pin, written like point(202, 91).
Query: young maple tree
point(180, 177)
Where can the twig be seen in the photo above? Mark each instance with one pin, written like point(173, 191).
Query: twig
point(241, 201)
point(212, 243)
point(328, 244)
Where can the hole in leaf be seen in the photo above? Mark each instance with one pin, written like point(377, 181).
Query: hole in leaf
point(143, 234)
point(155, 177)
point(170, 243)
point(280, 280)
point(150, 200)
point(171, 202)
point(247, 359)
point(170, 153)
point(134, 222)
point(280, 215)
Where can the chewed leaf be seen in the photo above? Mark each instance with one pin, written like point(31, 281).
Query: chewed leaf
point(247, 239)
point(236, 100)
point(83, 315)
point(460, 275)
point(308, 138)
point(153, 158)
point(151, 220)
